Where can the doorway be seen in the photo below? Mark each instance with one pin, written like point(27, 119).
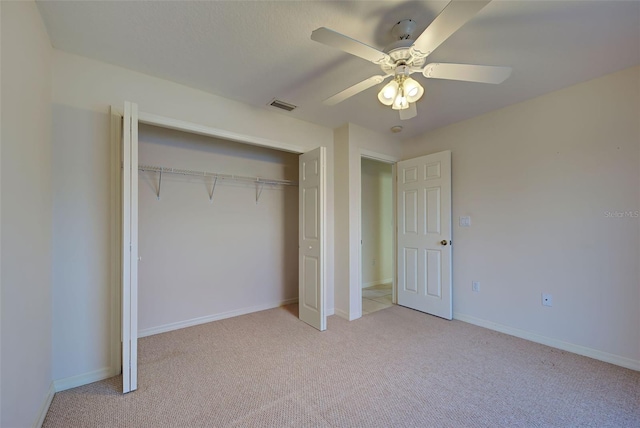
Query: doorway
point(421, 230)
point(377, 237)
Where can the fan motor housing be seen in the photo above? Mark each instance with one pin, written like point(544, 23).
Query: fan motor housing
point(399, 50)
point(403, 29)
point(400, 53)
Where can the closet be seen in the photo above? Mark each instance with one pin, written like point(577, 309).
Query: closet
point(215, 240)
point(214, 224)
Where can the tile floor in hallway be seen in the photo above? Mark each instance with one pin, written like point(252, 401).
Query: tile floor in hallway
point(375, 298)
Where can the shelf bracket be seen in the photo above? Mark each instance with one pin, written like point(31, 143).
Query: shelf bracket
point(159, 184)
point(213, 188)
point(259, 188)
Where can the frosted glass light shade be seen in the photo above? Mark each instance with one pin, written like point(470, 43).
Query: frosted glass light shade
point(388, 93)
point(400, 103)
point(413, 90)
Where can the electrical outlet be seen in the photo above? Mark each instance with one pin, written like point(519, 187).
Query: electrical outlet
point(475, 286)
point(465, 221)
point(547, 299)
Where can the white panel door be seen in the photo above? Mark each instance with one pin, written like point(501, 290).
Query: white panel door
point(311, 285)
point(130, 248)
point(424, 234)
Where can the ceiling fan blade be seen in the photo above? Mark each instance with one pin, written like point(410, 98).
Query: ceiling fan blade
point(467, 72)
point(355, 89)
point(409, 113)
point(454, 16)
point(334, 39)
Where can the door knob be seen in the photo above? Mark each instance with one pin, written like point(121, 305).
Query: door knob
point(443, 242)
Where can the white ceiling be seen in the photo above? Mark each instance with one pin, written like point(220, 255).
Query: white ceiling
point(254, 51)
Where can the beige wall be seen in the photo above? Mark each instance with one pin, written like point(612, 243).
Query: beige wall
point(83, 91)
point(203, 260)
point(538, 179)
point(377, 222)
point(25, 374)
point(342, 197)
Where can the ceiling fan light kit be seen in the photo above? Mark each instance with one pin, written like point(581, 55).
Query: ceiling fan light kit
point(407, 56)
point(401, 91)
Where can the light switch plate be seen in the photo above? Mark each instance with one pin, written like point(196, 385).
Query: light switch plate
point(465, 221)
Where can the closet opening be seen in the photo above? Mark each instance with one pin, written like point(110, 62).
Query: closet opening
point(243, 247)
point(218, 229)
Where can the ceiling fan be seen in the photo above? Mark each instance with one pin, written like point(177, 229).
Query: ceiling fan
point(407, 56)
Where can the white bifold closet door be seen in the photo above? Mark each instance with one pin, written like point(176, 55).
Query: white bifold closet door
point(311, 285)
point(130, 248)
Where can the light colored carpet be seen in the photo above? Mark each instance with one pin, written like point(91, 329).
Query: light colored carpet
point(393, 368)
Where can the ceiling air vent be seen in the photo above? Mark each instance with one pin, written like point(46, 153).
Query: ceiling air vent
point(282, 105)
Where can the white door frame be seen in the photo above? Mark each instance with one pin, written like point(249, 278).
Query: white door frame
point(116, 242)
point(356, 289)
point(129, 245)
point(117, 113)
point(195, 128)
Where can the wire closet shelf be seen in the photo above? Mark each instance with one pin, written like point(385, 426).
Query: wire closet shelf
point(260, 181)
point(169, 170)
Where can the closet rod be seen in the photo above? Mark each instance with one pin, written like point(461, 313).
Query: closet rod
point(164, 169)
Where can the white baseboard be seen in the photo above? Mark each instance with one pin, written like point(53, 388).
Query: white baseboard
point(379, 282)
point(214, 317)
point(82, 379)
point(341, 313)
point(345, 315)
point(554, 343)
point(45, 406)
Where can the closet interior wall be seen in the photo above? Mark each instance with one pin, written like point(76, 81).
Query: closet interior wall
point(205, 259)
